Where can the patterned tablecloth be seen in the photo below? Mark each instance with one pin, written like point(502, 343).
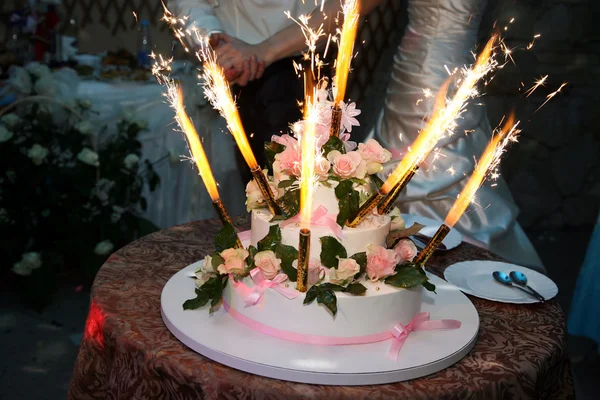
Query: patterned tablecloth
point(128, 353)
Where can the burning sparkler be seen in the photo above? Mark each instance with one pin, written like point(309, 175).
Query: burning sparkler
point(551, 95)
point(442, 122)
point(198, 154)
point(344, 58)
point(308, 142)
point(486, 167)
point(537, 84)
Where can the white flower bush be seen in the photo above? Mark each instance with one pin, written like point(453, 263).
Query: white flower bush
point(29, 262)
point(131, 161)
point(5, 134)
point(37, 154)
point(104, 248)
point(88, 156)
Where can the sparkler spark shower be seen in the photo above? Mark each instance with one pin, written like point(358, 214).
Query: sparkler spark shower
point(486, 167)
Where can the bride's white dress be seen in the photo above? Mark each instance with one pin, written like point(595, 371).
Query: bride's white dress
point(440, 34)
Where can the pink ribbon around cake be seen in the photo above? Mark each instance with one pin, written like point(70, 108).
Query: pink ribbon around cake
point(399, 333)
point(261, 284)
point(319, 218)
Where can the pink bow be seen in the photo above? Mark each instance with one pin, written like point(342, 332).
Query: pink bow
point(420, 322)
point(319, 218)
point(262, 284)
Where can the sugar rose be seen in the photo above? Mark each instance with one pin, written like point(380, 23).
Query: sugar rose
point(398, 223)
point(268, 263)
point(254, 196)
point(406, 250)
point(315, 270)
point(205, 272)
point(234, 261)
point(290, 160)
point(380, 262)
point(345, 271)
point(349, 165)
point(372, 152)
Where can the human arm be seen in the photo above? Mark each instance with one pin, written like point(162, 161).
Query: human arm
point(288, 41)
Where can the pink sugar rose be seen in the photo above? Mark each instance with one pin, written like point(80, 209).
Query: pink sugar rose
point(322, 167)
point(315, 270)
point(406, 250)
point(349, 165)
point(290, 160)
point(268, 263)
point(380, 262)
point(372, 152)
point(234, 261)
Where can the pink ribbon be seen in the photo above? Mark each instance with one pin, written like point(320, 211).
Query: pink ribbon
point(318, 218)
point(399, 332)
point(262, 284)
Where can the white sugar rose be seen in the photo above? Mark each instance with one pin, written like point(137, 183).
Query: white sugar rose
point(322, 167)
point(234, 261)
point(89, 157)
point(104, 247)
point(37, 154)
point(374, 168)
point(372, 151)
point(398, 223)
point(131, 161)
point(5, 134)
point(254, 196)
point(84, 127)
point(268, 263)
point(345, 271)
point(349, 165)
point(11, 120)
point(406, 250)
point(205, 272)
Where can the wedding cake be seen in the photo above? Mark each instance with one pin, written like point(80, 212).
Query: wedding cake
point(362, 278)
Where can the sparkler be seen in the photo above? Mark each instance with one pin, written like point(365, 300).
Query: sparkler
point(308, 142)
point(198, 154)
point(551, 95)
point(442, 123)
point(486, 167)
point(387, 203)
point(344, 58)
point(537, 84)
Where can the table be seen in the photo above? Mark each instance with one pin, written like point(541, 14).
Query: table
point(127, 352)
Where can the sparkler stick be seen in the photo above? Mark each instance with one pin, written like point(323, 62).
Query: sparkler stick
point(443, 120)
point(344, 58)
point(487, 166)
point(308, 142)
point(199, 155)
point(387, 203)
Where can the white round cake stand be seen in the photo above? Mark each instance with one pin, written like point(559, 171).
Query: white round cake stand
point(223, 339)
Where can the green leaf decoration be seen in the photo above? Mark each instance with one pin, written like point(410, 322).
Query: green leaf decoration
point(406, 277)
point(355, 289)
point(348, 201)
point(217, 260)
point(334, 143)
point(277, 218)
point(311, 294)
point(286, 184)
point(331, 249)
point(287, 255)
point(211, 290)
point(358, 181)
point(361, 260)
point(429, 286)
point(250, 260)
point(290, 203)
point(226, 238)
point(200, 300)
point(272, 149)
point(271, 240)
point(331, 286)
point(376, 182)
point(328, 299)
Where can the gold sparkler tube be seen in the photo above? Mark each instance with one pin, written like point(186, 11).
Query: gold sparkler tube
point(265, 189)
point(387, 203)
point(433, 244)
point(303, 260)
point(366, 209)
point(224, 217)
point(336, 121)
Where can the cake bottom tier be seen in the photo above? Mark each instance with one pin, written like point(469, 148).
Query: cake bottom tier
point(376, 312)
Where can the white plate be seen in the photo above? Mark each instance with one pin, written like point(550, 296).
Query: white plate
point(475, 277)
point(453, 239)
